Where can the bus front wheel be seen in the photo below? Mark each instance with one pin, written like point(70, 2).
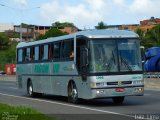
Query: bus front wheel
point(118, 100)
point(30, 89)
point(72, 93)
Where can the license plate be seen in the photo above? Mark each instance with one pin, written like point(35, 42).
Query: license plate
point(119, 89)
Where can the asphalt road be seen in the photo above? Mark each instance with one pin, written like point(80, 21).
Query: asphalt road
point(133, 108)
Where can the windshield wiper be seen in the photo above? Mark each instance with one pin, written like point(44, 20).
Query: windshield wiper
point(124, 61)
point(110, 63)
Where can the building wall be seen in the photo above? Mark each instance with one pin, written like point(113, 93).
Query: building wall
point(132, 27)
point(146, 25)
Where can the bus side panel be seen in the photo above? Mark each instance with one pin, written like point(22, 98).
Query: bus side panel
point(62, 73)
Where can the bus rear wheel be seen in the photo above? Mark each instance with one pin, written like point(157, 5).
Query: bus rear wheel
point(118, 100)
point(72, 93)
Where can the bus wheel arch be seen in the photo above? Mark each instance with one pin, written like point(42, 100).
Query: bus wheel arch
point(72, 92)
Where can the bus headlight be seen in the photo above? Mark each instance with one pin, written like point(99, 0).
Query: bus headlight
point(92, 84)
point(138, 82)
point(100, 84)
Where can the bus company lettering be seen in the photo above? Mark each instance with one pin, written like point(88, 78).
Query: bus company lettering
point(68, 68)
point(99, 77)
point(136, 77)
point(56, 68)
point(20, 69)
point(44, 68)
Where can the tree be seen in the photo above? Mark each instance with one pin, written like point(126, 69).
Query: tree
point(150, 38)
point(101, 25)
point(4, 40)
point(53, 32)
point(141, 34)
point(154, 35)
point(8, 56)
point(62, 25)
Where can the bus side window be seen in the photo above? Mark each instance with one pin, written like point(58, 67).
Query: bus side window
point(72, 50)
point(41, 53)
point(67, 50)
point(24, 55)
point(56, 53)
point(32, 54)
point(20, 55)
point(50, 51)
point(45, 53)
point(28, 55)
point(36, 53)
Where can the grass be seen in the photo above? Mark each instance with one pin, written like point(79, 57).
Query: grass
point(9, 112)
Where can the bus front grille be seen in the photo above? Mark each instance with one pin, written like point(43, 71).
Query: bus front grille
point(120, 83)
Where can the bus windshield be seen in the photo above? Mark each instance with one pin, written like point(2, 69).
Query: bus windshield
point(114, 55)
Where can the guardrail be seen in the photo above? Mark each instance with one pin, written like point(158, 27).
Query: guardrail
point(152, 75)
point(8, 77)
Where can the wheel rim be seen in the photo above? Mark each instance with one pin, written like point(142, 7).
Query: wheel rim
point(30, 90)
point(73, 94)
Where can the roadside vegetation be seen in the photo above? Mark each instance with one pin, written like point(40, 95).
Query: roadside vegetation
point(7, 51)
point(150, 38)
point(8, 112)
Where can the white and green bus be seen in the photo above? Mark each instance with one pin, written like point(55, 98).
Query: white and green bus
point(84, 65)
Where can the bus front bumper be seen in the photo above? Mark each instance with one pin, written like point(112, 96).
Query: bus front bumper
point(117, 91)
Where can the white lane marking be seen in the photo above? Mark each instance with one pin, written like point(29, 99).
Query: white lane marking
point(68, 105)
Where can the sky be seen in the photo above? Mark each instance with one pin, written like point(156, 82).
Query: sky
point(85, 14)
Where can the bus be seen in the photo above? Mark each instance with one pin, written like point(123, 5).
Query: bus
point(90, 64)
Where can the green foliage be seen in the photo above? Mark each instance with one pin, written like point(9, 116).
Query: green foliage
point(21, 113)
point(154, 35)
point(4, 40)
point(53, 32)
point(24, 25)
point(8, 56)
point(150, 38)
point(101, 25)
point(140, 33)
point(16, 35)
point(61, 25)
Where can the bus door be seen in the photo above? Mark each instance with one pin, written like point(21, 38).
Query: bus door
point(84, 62)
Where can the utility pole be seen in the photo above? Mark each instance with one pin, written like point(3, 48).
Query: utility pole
point(21, 10)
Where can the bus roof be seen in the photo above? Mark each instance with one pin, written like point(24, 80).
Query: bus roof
point(105, 33)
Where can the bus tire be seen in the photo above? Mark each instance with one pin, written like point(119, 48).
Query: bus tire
point(30, 92)
point(118, 100)
point(72, 93)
